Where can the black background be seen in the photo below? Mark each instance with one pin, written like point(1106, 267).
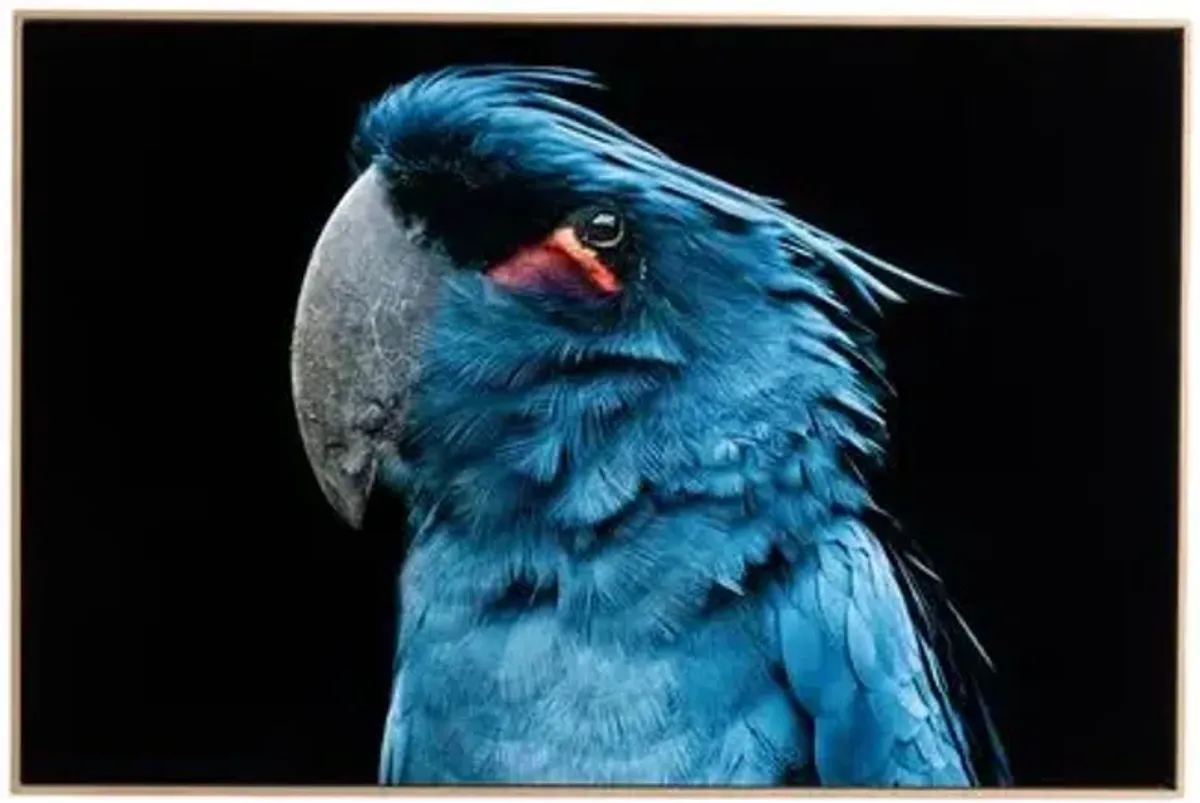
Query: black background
point(193, 612)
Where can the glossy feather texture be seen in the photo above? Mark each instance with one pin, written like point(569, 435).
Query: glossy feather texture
point(642, 545)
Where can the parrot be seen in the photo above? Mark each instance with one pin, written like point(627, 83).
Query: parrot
point(632, 411)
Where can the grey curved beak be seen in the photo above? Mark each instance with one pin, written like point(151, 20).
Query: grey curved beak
point(363, 306)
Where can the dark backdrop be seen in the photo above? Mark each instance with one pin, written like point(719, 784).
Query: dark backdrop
point(193, 612)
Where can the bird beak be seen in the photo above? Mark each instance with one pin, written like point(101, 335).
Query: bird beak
point(364, 303)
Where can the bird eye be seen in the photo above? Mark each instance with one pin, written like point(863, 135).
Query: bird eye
point(601, 229)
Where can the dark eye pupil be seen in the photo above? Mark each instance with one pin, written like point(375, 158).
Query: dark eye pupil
point(603, 229)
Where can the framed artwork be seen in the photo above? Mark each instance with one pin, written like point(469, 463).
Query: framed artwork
point(654, 404)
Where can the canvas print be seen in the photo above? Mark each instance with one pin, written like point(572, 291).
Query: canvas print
point(511, 405)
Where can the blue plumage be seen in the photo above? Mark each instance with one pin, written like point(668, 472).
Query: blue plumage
point(642, 546)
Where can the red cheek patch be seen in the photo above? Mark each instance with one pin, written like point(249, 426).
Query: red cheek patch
point(558, 263)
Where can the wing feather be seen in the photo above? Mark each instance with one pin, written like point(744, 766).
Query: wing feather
point(857, 663)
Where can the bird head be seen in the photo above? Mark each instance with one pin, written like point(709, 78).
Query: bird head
point(513, 282)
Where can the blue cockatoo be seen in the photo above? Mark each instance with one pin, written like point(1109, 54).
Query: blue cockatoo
point(631, 410)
